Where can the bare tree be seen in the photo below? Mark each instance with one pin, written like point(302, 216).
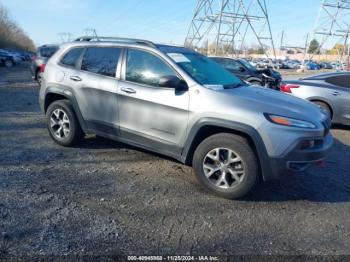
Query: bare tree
point(11, 35)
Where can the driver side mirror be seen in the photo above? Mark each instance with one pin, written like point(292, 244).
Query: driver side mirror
point(173, 82)
point(242, 69)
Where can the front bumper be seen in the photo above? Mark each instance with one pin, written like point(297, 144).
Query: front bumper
point(297, 159)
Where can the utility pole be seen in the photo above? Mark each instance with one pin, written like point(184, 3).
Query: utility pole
point(230, 24)
point(281, 44)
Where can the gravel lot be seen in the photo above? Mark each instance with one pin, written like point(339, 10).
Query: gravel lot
point(104, 197)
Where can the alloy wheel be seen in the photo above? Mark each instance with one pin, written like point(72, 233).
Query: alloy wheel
point(60, 124)
point(224, 168)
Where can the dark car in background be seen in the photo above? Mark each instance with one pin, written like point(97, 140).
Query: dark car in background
point(331, 91)
point(247, 72)
point(39, 60)
point(8, 59)
point(325, 65)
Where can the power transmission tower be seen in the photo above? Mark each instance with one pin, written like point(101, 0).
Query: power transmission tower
point(65, 37)
point(230, 25)
point(91, 32)
point(332, 26)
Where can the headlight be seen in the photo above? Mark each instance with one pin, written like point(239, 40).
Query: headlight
point(287, 121)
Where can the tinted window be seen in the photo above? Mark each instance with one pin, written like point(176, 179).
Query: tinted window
point(145, 68)
point(204, 70)
point(341, 80)
point(232, 65)
point(47, 51)
point(101, 60)
point(71, 57)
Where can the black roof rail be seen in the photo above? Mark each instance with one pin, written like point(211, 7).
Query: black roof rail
point(117, 39)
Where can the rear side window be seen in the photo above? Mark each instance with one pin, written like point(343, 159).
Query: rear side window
point(341, 80)
point(71, 57)
point(101, 60)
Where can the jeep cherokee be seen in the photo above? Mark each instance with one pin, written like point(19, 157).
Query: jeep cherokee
point(177, 102)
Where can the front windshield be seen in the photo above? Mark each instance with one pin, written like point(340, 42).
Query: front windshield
point(247, 64)
point(204, 70)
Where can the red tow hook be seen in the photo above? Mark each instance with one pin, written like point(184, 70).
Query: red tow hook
point(321, 163)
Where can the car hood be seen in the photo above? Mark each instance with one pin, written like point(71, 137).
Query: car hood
point(271, 101)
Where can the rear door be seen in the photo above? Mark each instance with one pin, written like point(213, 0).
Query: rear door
point(96, 86)
point(153, 116)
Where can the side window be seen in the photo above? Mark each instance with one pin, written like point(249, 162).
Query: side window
point(146, 68)
point(342, 80)
point(101, 60)
point(71, 57)
point(232, 65)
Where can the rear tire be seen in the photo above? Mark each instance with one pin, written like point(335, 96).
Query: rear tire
point(62, 123)
point(226, 165)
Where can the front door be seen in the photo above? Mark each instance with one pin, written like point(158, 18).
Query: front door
point(153, 116)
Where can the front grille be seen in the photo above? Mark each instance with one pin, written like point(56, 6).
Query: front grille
point(327, 125)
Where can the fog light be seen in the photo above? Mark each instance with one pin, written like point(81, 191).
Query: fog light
point(307, 144)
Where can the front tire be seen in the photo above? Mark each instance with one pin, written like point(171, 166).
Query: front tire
point(226, 165)
point(62, 123)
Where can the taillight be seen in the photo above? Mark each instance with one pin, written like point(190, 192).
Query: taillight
point(42, 68)
point(287, 88)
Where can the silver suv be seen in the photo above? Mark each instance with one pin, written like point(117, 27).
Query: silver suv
point(179, 103)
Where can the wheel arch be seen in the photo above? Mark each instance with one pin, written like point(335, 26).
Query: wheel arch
point(322, 100)
point(53, 94)
point(207, 127)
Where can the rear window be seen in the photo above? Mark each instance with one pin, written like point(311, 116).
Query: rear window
point(101, 60)
point(341, 80)
point(70, 58)
point(47, 51)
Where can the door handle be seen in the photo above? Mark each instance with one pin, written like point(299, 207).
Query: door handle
point(128, 90)
point(336, 93)
point(75, 78)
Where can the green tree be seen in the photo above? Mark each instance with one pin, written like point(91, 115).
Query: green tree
point(314, 47)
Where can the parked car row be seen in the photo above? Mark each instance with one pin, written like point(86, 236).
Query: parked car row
point(12, 58)
point(177, 102)
point(296, 64)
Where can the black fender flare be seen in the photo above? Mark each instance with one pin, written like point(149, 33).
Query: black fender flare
point(68, 93)
point(240, 128)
